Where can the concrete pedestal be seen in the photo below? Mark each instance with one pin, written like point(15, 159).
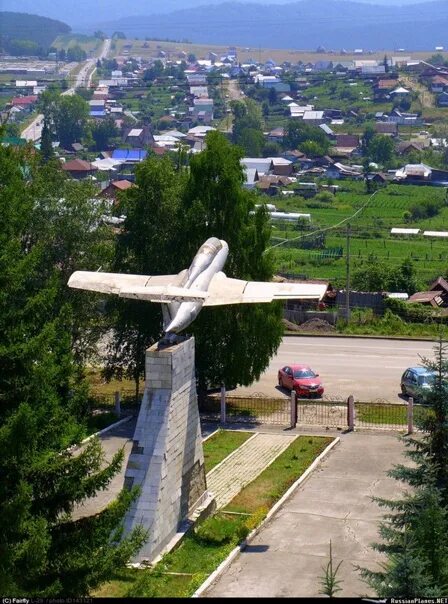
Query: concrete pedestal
point(167, 459)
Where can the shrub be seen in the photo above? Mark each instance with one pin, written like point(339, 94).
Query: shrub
point(216, 529)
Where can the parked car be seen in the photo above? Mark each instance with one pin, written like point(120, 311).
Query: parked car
point(302, 379)
point(415, 380)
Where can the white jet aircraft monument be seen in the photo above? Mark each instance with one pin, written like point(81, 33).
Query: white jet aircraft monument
point(204, 284)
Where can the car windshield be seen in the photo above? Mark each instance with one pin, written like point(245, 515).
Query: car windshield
point(304, 373)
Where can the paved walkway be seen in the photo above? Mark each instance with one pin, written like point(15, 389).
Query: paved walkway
point(111, 442)
point(287, 557)
point(227, 479)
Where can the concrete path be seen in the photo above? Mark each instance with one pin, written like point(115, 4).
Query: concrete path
point(287, 557)
point(227, 479)
point(111, 442)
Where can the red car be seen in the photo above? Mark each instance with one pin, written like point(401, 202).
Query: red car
point(302, 379)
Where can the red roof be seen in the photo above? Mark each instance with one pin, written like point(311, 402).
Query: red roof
point(122, 185)
point(24, 100)
point(78, 165)
point(386, 84)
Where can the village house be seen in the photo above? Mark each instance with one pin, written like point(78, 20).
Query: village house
point(26, 104)
point(79, 168)
point(138, 137)
point(114, 188)
point(436, 296)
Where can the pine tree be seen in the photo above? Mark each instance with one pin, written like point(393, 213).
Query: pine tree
point(46, 148)
point(415, 527)
point(43, 550)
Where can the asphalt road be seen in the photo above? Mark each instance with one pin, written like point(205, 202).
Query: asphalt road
point(368, 369)
point(33, 132)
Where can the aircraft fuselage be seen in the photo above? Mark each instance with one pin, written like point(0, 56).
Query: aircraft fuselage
point(209, 260)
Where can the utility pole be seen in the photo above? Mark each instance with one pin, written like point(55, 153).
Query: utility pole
point(347, 285)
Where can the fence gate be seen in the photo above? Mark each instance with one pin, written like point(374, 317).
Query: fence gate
point(321, 412)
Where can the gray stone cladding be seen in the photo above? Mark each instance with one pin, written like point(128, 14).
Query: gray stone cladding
point(167, 460)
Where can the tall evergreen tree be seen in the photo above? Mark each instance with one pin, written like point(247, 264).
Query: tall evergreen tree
point(415, 527)
point(43, 550)
point(46, 148)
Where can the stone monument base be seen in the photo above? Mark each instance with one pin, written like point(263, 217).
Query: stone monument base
point(167, 460)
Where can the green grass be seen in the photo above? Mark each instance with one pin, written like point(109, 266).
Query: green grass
point(97, 422)
point(195, 559)
point(387, 414)
point(370, 232)
point(221, 444)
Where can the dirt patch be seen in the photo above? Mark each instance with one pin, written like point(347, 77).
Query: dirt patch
point(311, 326)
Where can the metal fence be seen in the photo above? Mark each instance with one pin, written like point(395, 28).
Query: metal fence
point(328, 413)
point(253, 409)
point(334, 412)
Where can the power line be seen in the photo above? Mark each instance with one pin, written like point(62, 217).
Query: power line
point(324, 230)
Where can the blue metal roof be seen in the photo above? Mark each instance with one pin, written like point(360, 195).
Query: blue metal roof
point(97, 113)
point(130, 154)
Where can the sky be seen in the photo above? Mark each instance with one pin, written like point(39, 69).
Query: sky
point(77, 12)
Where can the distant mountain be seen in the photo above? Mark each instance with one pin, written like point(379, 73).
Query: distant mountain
point(17, 27)
point(88, 13)
point(302, 25)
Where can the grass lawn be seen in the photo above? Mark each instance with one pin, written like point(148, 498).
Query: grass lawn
point(200, 554)
point(99, 387)
point(97, 422)
point(370, 232)
point(377, 414)
point(221, 444)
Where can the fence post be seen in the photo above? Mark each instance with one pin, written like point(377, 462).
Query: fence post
point(293, 409)
point(117, 403)
point(410, 415)
point(223, 404)
point(351, 412)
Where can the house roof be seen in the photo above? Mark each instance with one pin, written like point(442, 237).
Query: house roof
point(261, 164)
point(386, 127)
point(439, 284)
point(432, 297)
point(135, 132)
point(347, 140)
point(313, 115)
point(129, 154)
point(400, 90)
point(122, 185)
point(386, 84)
point(78, 165)
point(24, 100)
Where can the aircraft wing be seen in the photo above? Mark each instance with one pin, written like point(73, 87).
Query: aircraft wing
point(223, 290)
point(115, 283)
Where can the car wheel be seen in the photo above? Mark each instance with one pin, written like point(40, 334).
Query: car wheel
point(403, 390)
point(280, 382)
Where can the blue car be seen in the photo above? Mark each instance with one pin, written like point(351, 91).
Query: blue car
point(415, 380)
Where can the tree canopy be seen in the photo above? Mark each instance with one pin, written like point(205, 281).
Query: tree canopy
point(47, 230)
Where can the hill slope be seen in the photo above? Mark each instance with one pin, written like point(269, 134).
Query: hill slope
point(80, 13)
point(306, 24)
point(41, 31)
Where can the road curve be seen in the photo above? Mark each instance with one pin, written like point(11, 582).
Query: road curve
point(367, 368)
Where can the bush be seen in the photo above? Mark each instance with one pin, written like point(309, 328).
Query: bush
point(216, 530)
